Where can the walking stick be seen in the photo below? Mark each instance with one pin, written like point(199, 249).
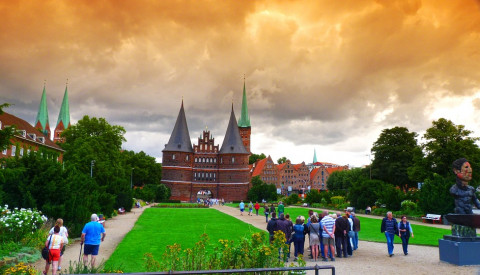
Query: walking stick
point(79, 255)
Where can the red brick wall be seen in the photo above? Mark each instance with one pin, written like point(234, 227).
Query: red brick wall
point(245, 133)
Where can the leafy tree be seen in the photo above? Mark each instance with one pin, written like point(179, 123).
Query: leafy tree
point(313, 197)
point(145, 168)
point(343, 180)
point(394, 152)
point(364, 193)
point(293, 199)
point(254, 157)
point(390, 195)
point(94, 139)
point(7, 132)
point(260, 190)
point(434, 196)
point(446, 142)
point(282, 160)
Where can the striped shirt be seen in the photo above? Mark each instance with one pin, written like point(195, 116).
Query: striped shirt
point(327, 222)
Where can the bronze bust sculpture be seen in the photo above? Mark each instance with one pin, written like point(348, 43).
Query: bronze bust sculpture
point(463, 193)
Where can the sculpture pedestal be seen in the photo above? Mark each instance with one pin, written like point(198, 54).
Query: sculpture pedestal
point(460, 252)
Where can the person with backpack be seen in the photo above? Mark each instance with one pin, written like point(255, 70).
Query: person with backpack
point(405, 230)
point(265, 211)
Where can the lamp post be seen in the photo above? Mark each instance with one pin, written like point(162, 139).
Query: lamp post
point(92, 163)
point(131, 178)
point(370, 161)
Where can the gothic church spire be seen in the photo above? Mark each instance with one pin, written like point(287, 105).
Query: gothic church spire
point(244, 118)
point(41, 122)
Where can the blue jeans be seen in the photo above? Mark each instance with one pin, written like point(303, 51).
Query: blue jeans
point(299, 245)
point(355, 241)
point(389, 237)
point(405, 238)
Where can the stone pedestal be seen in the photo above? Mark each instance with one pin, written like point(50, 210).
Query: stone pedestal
point(459, 252)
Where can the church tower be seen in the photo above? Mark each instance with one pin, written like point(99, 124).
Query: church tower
point(41, 122)
point(63, 121)
point(244, 122)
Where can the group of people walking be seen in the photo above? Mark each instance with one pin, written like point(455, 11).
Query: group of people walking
point(391, 228)
point(93, 234)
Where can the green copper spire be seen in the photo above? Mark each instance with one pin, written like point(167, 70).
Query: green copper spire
point(64, 115)
point(42, 115)
point(314, 155)
point(244, 118)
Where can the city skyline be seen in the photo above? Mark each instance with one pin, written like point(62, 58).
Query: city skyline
point(319, 75)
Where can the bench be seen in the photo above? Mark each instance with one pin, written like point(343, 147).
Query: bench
point(432, 218)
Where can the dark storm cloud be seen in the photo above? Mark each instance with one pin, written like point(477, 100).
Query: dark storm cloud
point(317, 72)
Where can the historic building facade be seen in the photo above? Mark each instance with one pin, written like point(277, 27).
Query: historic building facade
point(266, 170)
point(37, 138)
point(223, 171)
point(28, 139)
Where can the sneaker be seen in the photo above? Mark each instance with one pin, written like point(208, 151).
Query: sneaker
point(59, 268)
point(332, 259)
point(324, 260)
point(391, 255)
point(406, 254)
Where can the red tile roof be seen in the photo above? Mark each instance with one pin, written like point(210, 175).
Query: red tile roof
point(9, 120)
point(333, 169)
point(260, 164)
point(313, 173)
point(280, 166)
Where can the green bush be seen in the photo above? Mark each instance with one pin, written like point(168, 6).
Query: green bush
point(337, 201)
point(292, 199)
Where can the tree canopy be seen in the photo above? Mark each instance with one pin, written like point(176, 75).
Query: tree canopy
point(7, 132)
point(254, 157)
point(282, 160)
point(394, 152)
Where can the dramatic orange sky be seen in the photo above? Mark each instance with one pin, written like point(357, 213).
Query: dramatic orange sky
point(328, 75)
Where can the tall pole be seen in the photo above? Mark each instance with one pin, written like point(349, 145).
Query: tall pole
point(131, 178)
point(370, 161)
point(91, 168)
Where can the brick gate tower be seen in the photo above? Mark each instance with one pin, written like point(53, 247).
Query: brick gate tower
point(188, 170)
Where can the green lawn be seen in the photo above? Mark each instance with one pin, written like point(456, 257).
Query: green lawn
point(370, 228)
point(158, 227)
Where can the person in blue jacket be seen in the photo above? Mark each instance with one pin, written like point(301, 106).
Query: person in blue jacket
point(405, 229)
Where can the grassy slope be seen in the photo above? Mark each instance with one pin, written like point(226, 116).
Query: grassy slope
point(370, 229)
point(158, 227)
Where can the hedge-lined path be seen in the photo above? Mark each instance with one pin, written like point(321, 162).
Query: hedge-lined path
point(371, 257)
point(116, 228)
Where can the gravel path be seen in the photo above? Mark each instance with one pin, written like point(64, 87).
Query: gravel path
point(116, 228)
point(370, 258)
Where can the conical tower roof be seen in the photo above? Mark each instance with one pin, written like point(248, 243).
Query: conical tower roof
point(42, 114)
point(232, 143)
point(244, 118)
point(64, 115)
point(314, 155)
point(180, 139)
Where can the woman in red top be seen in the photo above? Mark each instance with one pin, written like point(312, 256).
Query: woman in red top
point(257, 206)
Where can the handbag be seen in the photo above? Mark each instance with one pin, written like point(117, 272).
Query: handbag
point(46, 250)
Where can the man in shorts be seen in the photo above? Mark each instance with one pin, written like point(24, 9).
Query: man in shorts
point(92, 234)
point(242, 207)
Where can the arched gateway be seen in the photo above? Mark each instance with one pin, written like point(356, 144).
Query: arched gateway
point(224, 170)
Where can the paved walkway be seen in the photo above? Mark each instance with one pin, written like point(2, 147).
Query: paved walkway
point(371, 257)
point(116, 228)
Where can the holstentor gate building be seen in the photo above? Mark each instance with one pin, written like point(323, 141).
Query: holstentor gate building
point(223, 171)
